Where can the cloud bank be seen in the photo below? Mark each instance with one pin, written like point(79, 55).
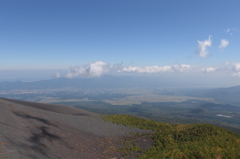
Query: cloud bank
point(223, 43)
point(202, 47)
point(229, 68)
point(158, 69)
point(98, 68)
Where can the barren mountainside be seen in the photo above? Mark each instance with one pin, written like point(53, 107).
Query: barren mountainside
point(36, 131)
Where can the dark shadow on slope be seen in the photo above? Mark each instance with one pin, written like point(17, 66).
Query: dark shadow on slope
point(39, 136)
point(35, 151)
point(26, 116)
point(44, 134)
point(37, 140)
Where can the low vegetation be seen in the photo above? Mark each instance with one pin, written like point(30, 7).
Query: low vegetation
point(187, 112)
point(184, 141)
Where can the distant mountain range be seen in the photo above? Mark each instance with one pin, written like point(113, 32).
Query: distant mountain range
point(229, 95)
point(107, 81)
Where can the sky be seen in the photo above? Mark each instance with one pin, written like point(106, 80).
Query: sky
point(91, 38)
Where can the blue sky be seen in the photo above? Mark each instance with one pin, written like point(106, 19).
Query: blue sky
point(129, 36)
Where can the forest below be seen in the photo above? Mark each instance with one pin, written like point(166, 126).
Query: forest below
point(183, 141)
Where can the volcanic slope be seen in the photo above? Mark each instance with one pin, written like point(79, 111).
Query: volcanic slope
point(36, 131)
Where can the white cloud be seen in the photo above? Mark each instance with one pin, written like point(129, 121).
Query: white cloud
point(202, 46)
point(228, 30)
point(232, 68)
point(209, 69)
point(236, 69)
point(224, 43)
point(57, 75)
point(148, 69)
point(158, 69)
point(96, 68)
point(231, 29)
point(93, 69)
point(181, 68)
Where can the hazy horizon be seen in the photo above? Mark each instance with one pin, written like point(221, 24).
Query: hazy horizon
point(160, 80)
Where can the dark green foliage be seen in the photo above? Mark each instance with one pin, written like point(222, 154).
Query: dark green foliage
point(130, 149)
point(184, 141)
point(135, 144)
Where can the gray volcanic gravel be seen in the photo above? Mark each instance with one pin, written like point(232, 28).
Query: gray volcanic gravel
point(37, 130)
